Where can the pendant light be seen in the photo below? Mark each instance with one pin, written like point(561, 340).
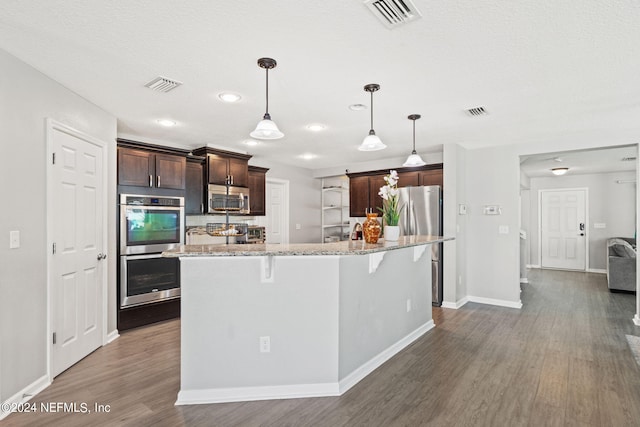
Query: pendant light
point(371, 142)
point(414, 159)
point(266, 128)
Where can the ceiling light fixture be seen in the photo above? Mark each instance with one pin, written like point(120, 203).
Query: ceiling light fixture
point(559, 171)
point(316, 127)
point(166, 122)
point(266, 128)
point(371, 142)
point(229, 97)
point(308, 156)
point(414, 159)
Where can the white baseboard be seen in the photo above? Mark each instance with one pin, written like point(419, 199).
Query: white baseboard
point(498, 302)
point(112, 336)
point(524, 280)
point(455, 305)
point(534, 266)
point(24, 395)
point(244, 394)
point(354, 377)
point(636, 320)
point(597, 270)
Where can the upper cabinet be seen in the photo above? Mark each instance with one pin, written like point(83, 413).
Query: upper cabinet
point(225, 167)
point(194, 198)
point(141, 165)
point(364, 186)
point(257, 184)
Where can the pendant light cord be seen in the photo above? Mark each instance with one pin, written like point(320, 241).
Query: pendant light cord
point(267, 110)
point(371, 112)
point(414, 136)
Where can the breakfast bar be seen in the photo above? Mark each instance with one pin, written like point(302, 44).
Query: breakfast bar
point(297, 320)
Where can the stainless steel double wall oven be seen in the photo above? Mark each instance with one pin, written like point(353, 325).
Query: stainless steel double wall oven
point(149, 225)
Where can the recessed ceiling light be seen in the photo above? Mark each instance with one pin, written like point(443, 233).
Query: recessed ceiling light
point(229, 97)
point(308, 156)
point(357, 107)
point(559, 171)
point(316, 127)
point(166, 122)
point(250, 142)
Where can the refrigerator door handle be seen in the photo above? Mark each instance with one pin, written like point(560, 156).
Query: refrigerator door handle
point(415, 220)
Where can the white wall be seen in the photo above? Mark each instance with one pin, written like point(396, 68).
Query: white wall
point(609, 203)
point(27, 98)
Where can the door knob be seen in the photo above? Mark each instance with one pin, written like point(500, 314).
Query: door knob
point(101, 256)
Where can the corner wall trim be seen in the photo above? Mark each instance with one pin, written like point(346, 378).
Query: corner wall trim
point(455, 305)
point(498, 302)
point(294, 391)
point(25, 394)
point(112, 336)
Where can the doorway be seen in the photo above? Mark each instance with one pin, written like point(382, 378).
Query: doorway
point(77, 239)
point(563, 218)
point(277, 215)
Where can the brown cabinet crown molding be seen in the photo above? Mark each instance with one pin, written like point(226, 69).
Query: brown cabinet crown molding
point(203, 151)
point(127, 143)
point(399, 170)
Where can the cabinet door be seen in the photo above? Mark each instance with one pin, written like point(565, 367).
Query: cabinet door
point(217, 169)
point(135, 167)
point(194, 196)
point(257, 203)
point(375, 201)
point(239, 170)
point(358, 195)
point(170, 171)
point(406, 179)
point(431, 177)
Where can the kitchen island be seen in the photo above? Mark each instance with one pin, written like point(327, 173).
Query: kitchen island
point(297, 320)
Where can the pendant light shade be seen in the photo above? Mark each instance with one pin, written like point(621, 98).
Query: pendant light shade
point(414, 159)
point(267, 129)
point(371, 142)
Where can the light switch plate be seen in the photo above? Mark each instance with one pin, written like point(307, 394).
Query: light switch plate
point(599, 225)
point(492, 210)
point(503, 229)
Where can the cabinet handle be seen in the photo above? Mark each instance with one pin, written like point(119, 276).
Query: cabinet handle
point(201, 207)
point(150, 181)
point(231, 179)
point(158, 184)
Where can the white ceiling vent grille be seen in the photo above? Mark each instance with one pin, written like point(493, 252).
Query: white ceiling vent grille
point(393, 13)
point(477, 111)
point(163, 84)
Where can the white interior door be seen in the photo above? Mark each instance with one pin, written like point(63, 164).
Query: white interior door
point(563, 229)
point(277, 215)
point(77, 232)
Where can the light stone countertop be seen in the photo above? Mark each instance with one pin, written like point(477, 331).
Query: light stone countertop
point(350, 247)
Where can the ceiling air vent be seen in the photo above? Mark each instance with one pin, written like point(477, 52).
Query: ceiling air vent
point(393, 13)
point(477, 111)
point(163, 84)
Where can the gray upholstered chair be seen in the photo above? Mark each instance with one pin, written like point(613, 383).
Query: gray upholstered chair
point(621, 264)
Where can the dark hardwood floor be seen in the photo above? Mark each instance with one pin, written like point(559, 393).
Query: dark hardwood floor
point(561, 360)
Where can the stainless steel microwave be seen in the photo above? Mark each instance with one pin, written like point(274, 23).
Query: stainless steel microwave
point(224, 199)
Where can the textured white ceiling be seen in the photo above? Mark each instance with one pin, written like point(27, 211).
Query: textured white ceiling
point(545, 70)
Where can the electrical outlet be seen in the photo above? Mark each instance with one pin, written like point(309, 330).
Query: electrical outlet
point(408, 305)
point(14, 239)
point(265, 344)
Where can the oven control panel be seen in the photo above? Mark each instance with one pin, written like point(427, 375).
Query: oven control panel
point(126, 199)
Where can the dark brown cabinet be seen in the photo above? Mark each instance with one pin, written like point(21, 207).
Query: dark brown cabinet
point(257, 193)
point(142, 168)
point(225, 167)
point(364, 186)
point(194, 202)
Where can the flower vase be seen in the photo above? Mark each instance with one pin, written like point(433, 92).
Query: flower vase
point(391, 233)
point(371, 228)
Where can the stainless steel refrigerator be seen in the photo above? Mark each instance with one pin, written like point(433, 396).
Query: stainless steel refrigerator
point(422, 215)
